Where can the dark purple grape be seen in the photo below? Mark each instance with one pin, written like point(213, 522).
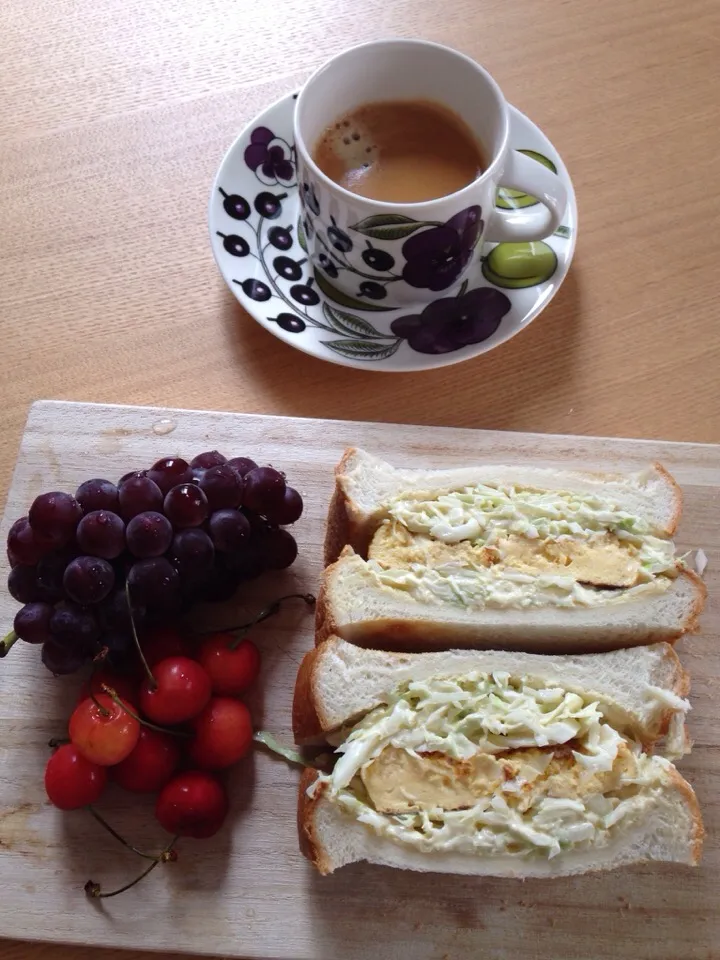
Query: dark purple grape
point(287, 268)
point(54, 517)
point(88, 580)
point(169, 472)
point(154, 583)
point(222, 486)
point(120, 647)
point(203, 462)
point(138, 494)
point(246, 564)
point(229, 530)
point(32, 622)
point(148, 535)
point(23, 585)
point(277, 548)
point(192, 553)
point(23, 546)
point(74, 628)
point(101, 533)
point(287, 511)
point(221, 586)
point(280, 237)
point(97, 495)
point(50, 573)
point(186, 505)
point(61, 660)
point(114, 612)
point(133, 473)
point(242, 465)
point(264, 489)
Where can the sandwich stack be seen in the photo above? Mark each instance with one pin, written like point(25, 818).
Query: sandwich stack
point(494, 671)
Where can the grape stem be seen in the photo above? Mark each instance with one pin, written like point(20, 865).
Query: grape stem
point(148, 671)
point(7, 643)
point(243, 629)
point(94, 890)
point(147, 856)
point(145, 723)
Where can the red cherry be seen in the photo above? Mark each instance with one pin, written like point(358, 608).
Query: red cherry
point(151, 764)
point(181, 692)
point(103, 732)
point(72, 781)
point(193, 804)
point(223, 734)
point(231, 671)
point(161, 643)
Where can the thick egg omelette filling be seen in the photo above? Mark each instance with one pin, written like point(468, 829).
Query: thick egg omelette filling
point(490, 764)
point(510, 547)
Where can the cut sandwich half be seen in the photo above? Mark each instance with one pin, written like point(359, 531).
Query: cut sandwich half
point(496, 764)
point(517, 557)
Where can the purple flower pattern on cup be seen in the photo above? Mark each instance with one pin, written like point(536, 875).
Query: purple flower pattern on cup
point(436, 257)
point(270, 158)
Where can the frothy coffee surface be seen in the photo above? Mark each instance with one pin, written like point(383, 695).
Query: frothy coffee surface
point(400, 151)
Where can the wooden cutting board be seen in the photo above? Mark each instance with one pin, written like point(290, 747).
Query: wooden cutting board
point(248, 892)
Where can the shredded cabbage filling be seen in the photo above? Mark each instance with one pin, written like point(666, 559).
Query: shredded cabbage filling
point(505, 718)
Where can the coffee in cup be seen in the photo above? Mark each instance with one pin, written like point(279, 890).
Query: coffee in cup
point(400, 151)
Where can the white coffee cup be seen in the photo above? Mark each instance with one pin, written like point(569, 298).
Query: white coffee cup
point(340, 225)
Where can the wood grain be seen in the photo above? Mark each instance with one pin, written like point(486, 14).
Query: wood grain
point(114, 116)
point(249, 892)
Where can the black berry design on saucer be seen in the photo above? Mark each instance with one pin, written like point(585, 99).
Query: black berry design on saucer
point(280, 237)
point(235, 246)
point(236, 207)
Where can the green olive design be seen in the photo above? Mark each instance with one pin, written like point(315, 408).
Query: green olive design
point(517, 265)
point(509, 199)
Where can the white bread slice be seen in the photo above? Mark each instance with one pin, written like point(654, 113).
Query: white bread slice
point(672, 830)
point(365, 484)
point(641, 690)
point(354, 606)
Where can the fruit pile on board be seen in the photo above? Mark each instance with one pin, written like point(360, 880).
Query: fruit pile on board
point(146, 548)
point(104, 577)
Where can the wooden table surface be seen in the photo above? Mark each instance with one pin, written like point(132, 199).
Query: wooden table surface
point(114, 116)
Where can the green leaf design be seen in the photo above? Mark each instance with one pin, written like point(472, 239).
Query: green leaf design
point(301, 235)
point(350, 325)
point(390, 226)
point(563, 232)
point(361, 349)
point(344, 299)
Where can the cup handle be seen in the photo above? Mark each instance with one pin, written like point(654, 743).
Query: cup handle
point(516, 226)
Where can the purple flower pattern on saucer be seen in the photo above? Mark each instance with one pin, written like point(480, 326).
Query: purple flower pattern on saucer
point(452, 323)
point(271, 158)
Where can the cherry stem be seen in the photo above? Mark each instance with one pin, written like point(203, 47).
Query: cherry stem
point(145, 723)
point(56, 742)
point(97, 661)
point(7, 643)
point(243, 629)
point(123, 841)
point(148, 671)
point(94, 890)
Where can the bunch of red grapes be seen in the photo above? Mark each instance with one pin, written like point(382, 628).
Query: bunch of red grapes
point(143, 551)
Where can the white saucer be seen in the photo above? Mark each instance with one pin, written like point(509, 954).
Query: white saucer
point(258, 245)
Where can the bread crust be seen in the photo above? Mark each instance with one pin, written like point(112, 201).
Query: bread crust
point(310, 846)
point(677, 512)
point(307, 723)
point(691, 801)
